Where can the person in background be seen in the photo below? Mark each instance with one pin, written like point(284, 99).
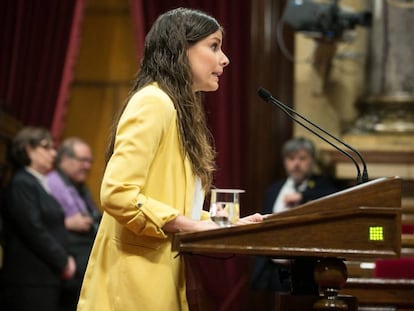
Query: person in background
point(36, 259)
point(301, 185)
point(160, 165)
point(67, 184)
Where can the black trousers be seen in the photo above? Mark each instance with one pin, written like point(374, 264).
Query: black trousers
point(30, 297)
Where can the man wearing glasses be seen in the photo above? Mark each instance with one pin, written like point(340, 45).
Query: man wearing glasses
point(67, 185)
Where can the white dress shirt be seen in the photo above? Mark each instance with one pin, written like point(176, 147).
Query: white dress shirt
point(287, 188)
point(198, 201)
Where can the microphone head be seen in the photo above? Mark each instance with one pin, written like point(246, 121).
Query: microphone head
point(264, 94)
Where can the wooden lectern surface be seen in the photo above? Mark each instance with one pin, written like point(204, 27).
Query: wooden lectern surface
point(362, 222)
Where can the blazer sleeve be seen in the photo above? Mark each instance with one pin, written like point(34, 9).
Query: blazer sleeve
point(140, 131)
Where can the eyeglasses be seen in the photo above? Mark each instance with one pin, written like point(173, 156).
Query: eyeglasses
point(82, 159)
point(46, 144)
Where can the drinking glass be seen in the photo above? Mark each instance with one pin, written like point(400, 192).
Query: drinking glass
point(225, 206)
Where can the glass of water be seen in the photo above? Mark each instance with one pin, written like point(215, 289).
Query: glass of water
point(225, 206)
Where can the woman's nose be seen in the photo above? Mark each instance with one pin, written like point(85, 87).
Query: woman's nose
point(225, 60)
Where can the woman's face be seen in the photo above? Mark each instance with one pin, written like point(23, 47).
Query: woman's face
point(299, 165)
point(42, 156)
point(207, 62)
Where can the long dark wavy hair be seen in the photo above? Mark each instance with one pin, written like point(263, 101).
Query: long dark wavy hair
point(165, 61)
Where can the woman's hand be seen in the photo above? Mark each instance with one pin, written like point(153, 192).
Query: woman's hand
point(206, 225)
point(185, 224)
point(254, 218)
point(78, 223)
point(69, 270)
point(292, 199)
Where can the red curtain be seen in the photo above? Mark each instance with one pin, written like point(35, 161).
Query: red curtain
point(224, 279)
point(39, 41)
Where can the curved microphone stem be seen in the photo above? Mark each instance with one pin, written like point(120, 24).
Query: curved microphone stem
point(290, 114)
point(264, 94)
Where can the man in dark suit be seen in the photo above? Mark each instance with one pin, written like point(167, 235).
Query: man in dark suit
point(67, 184)
point(300, 186)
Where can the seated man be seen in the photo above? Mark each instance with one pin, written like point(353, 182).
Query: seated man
point(300, 186)
point(67, 185)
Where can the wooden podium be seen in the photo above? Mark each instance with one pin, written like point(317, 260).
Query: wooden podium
point(362, 222)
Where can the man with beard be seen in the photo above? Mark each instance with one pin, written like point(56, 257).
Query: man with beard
point(301, 184)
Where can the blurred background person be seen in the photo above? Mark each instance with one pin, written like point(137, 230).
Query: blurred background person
point(301, 185)
point(67, 185)
point(35, 258)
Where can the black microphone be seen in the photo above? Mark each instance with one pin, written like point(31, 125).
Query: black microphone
point(267, 96)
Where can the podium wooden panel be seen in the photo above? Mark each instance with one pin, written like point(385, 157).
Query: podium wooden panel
point(362, 222)
point(337, 225)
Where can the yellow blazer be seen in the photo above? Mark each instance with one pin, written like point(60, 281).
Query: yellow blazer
point(147, 183)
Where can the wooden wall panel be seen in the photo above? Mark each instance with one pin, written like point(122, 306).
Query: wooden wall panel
point(91, 112)
point(104, 72)
point(108, 50)
point(268, 127)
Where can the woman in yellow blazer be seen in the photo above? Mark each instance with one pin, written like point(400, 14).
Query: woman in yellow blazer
point(160, 165)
